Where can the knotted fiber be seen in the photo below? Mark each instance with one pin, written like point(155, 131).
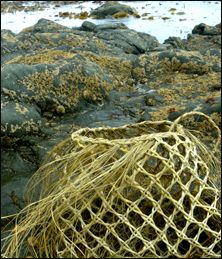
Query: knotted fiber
point(141, 190)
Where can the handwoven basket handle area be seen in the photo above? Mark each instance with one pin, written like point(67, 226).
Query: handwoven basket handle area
point(189, 114)
point(126, 133)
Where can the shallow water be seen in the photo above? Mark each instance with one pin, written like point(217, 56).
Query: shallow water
point(178, 25)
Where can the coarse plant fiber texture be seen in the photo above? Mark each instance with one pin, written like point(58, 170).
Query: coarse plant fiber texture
point(141, 190)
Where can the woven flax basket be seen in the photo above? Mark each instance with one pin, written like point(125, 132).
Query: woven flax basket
point(141, 190)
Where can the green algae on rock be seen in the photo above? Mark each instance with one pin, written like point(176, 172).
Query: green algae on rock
point(112, 8)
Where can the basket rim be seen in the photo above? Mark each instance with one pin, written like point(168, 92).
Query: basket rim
point(85, 134)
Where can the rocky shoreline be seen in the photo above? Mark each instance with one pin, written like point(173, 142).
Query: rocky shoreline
point(56, 80)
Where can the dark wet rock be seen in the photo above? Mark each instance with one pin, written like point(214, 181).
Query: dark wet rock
point(44, 25)
point(110, 26)
point(11, 80)
point(15, 172)
point(187, 62)
point(162, 47)
point(211, 105)
point(111, 8)
point(88, 26)
point(175, 42)
point(12, 200)
point(202, 42)
point(19, 119)
point(167, 55)
point(145, 116)
point(213, 52)
point(216, 68)
point(129, 40)
point(18, 165)
point(204, 29)
point(8, 41)
point(152, 98)
point(216, 87)
point(174, 115)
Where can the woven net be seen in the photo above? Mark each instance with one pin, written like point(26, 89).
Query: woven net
point(141, 190)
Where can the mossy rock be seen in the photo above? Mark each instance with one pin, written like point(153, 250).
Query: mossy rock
point(175, 42)
point(45, 25)
point(204, 29)
point(19, 119)
point(111, 8)
point(130, 41)
point(186, 62)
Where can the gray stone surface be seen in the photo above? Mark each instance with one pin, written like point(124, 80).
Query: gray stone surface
point(110, 8)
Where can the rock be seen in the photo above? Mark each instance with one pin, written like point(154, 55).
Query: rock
point(88, 26)
point(204, 29)
point(162, 47)
point(174, 115)
point(186, 62)
point(111, 8)
point(82, 15)
point(202, 43)
point(19, 119)
point(213, 52)
point(17, 164)
point(211, 105)
point(152, 98)
point(8, 36)
point(64, 14)
point(110, 26)
point(45, 25)
point(129, 40)
point(175, 42)
point(12, 200)
point(216, 68)
point(120, 15)
point(11, 83)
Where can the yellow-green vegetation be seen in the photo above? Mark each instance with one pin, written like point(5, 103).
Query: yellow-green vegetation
point(64, 14)
point(69, 82)
point(72, 85)
point(8, 37)
point(117, 68)
point(136, 15)
point(20, 109)
point(176, 65)
point(82, 15)
point(120, 15)
point(43, 57)
point(172, 9)
point(55, 40)
point(176, 81)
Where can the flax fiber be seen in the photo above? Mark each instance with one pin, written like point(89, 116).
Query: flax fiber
point(141, 190)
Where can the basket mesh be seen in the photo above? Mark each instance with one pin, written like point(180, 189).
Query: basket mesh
point(141, 190)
